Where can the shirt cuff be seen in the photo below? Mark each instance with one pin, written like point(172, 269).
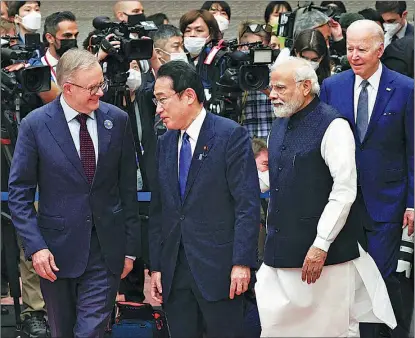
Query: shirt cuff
point(322, 244)
point(131, 257)
point(409, 209)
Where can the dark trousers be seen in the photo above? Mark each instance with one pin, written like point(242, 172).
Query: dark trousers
point(80, 307)
point(382, 242)
point(191, 316)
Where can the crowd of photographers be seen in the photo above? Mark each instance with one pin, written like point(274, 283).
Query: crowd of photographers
point(131, 47)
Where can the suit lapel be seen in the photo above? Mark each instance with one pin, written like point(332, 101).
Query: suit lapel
point(385, 92)
point(105, 124)
point(59, 129)
point(203, 146)
point(348, 92)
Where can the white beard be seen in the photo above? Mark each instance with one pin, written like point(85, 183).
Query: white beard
point(287, 109)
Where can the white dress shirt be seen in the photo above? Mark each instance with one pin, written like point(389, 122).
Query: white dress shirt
point(74, 127)
point(372, 90)
point(338, 151)
point(49, 60)
point(193, 131)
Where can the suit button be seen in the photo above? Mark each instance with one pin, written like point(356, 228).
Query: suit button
point(361, 147)
point(279, 168)
point(289, 127)
point(182, 217)
point(283, 147)
point(277, 211)
point(88, 218)
point(277, 189)
point(277, 230)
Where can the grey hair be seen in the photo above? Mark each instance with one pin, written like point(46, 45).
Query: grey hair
point(164, 33)
point(377, 35)
point(72, 61)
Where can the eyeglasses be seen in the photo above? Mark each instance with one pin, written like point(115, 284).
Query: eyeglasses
point(256, 28)
point(163, 100)
point(93, 90)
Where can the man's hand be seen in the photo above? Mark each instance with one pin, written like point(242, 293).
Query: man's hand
point(116, 44)
point(16, 66)
point(313, 264)
point(240, 278)
point(128, 266)
point(408, 221)
point(155, 286)
point(336, 30)
point(44, 264)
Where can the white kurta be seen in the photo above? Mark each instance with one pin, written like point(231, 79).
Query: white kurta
point(345, 294)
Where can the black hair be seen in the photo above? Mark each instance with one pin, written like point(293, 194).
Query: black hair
point(270, 8)
point(225, 6)
point(371, 14)
point(391, 6)
point(183, 76)
point(52, 21)
point(340, 5)
point(157, 18)
point(14, 6)
point(313, 40)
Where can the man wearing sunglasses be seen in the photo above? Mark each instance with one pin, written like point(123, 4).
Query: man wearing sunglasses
point(80, 152)
point(257, 108)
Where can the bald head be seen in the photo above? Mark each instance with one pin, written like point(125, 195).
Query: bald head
point(124, 8)
point(366, 29)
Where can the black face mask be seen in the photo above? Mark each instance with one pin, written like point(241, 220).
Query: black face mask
point(66, 44)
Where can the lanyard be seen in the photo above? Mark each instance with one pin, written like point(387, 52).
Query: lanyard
point(51, 68)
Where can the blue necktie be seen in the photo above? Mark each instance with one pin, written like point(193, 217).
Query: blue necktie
point(362, 120)
point(184, 163)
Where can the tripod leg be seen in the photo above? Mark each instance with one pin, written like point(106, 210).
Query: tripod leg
point(11, 250)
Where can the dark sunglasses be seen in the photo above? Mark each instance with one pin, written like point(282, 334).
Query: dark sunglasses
point(256, 28)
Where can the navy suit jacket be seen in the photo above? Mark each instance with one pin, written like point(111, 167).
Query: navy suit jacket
point(218, 221)
point(385, 158)
point(45, 156)
point(409, 30)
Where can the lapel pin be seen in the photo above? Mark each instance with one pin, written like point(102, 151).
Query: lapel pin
point(108, 124)
point(388, 89)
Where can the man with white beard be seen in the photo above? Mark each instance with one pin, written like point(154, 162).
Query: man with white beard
point(316, 281)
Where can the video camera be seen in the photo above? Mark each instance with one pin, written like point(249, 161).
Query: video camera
point(233, 71)
point(19, 86)
point(130, 35)
point(287, 21)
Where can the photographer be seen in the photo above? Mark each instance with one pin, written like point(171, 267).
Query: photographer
point(27, 18)
point(201, 32)
point(257, 108)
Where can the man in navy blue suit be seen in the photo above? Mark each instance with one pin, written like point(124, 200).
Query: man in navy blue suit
point(80, 154)
point(379, 105)
point(205, 211)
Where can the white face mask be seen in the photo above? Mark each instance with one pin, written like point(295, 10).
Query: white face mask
point(194, 45)
point(134, 79)
point(314, 64)
point(179, 56)
point(223, 23)
point(263, 180)
point(32, 21)
point(392, 28)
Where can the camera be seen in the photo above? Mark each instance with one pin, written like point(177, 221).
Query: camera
point(130, 35)
point(233, 71)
